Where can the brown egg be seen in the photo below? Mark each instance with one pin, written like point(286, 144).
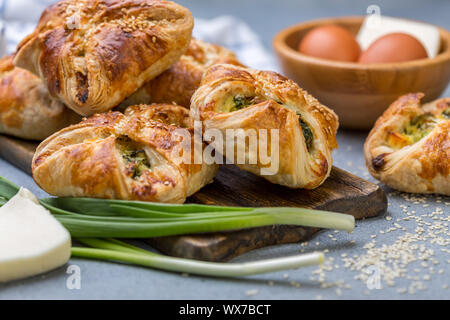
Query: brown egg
point(394, 47)
point(330, 42)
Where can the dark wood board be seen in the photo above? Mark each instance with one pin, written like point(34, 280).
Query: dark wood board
point(341, 192)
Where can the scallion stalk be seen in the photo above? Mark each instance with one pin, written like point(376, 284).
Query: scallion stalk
point(103, 218)
point(94, 206)
point(89, 219)
point(80, 226)
point(118, 251)
point(7, 189)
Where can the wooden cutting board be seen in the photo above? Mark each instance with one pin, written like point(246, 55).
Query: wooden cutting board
point(341, 192)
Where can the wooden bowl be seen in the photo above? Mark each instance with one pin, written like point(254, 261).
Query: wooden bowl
point(359, 93)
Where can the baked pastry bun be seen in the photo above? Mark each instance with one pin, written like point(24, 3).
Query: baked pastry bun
point(92, 54)
point(26, 109)
point(132, 156)
point(232, 97)
point(179, 82)
point(409, 147)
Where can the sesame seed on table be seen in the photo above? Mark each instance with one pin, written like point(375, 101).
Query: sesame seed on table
point(408, 248)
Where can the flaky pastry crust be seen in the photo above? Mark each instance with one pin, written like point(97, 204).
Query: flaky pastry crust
point(133, 156)
point(409, 146)
point(92, 54)
point(179, 82)
point(26, 109)
point(232, 97)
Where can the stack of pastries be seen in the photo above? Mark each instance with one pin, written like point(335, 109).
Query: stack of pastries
point(132, 68)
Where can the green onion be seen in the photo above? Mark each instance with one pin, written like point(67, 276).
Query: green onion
point(103, 227)
point(111, 249)
point(88, 219)
point(7, 189)
point(103, 207)
point(103, 218)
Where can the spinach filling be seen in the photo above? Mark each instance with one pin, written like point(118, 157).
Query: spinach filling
point(135, 158)
point(419, 127)
point(446, 114)
point(307, 132)
point(241, 102)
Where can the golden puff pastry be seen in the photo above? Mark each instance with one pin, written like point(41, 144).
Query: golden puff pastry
point(133, 156)
point(409, 147)
point(232, 97)
point(179, 82)
point(26, 109)
point(92, 54)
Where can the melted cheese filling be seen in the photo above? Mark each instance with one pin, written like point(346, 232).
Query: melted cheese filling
point(238, 102)
point(418, 128)
point(135, 159)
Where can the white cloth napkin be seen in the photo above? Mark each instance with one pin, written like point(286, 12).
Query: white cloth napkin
point(19, 17)
point(236, 35)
